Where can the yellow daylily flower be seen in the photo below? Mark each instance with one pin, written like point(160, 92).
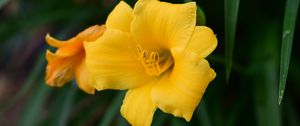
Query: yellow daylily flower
point(68, 60)
point(157, 52)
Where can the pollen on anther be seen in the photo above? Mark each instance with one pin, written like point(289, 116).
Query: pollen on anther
point(150, 60)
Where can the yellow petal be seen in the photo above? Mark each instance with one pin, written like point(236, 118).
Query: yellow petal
point(91, 33)
point(50, 56)
point(59, 69)
point(82, 78)
point(58, 43)
point(163, 25)
point(67, 48)
point(180, 92)
point(203, 41)
point(70, 50)
point(74, 46)
point(138, 108)
point(112, 62)
point(120, 18)
point(68, 60)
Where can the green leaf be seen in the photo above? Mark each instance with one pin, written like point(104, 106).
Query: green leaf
point(32, 110)
point(268, 113)
point(121, 121)
point(65, 105)
point(290, 16)
point(200, 20)
point(264, 77)
point(112, 110)
point(87, 108)
point(202, 114)
point(231, 13)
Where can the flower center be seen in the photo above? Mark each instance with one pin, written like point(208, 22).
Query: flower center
point(154, 62)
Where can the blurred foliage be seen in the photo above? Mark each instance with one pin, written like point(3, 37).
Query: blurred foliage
point(231, 9)
point(290, 16)
point(250, 98)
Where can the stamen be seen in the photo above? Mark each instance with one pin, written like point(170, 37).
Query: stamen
point(151, 61)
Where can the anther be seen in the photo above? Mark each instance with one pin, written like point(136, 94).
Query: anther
point(150, 61)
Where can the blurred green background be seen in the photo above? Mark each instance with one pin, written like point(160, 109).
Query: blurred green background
point(249, 96)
